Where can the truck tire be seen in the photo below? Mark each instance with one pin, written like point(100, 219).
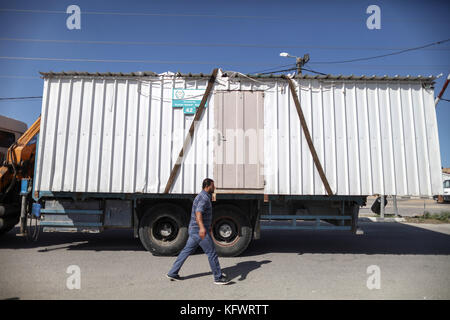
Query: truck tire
point(376, 206)
point(163, 229)
point(231, 230)
point(7, 223)
point(7, 210)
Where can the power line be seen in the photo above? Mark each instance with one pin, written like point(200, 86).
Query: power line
point(278, 71)
point(140, 14)
point(198, 44)
point(189, 62)
point(358, 66)
point(383, 55)
point(19, 77)
point(317, 72)
point(274, 68)
point(309, 18)
point(397, 66)
point(294, 68)
point(19, 98)
point(128, 61)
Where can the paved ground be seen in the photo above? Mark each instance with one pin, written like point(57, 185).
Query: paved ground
point(408, 207)
point(414, 263)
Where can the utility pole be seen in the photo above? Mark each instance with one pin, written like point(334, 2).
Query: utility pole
point(301, 62)
point(382, 207)
point(436, 101)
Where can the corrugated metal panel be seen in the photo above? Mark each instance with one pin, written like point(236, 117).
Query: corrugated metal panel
point(114, 135)
point(371, 138)
point(118, 134)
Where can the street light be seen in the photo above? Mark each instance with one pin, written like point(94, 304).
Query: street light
point(300, 62)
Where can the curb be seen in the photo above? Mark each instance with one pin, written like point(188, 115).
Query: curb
point(377, 219)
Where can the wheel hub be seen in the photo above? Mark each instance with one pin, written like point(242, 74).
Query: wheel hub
point(166, 230)
point(225, 230)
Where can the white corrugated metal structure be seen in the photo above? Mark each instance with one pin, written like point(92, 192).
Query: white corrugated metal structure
point(119, 133)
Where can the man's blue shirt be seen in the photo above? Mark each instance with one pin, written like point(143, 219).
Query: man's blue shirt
point(202, 203)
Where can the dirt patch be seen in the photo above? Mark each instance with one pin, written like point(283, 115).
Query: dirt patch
point(421, 220)
point(433, 218)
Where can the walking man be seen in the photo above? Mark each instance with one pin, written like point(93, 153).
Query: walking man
point(199, 234)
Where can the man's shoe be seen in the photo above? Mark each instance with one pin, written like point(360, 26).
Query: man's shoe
point(222, 280)
point(174, 278)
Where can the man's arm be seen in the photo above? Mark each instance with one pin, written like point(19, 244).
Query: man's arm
point(199, 218)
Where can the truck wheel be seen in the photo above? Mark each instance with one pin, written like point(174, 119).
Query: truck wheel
point(7, 223)
point(163, 229)
point(8, 210)
point(231, 231)
point(9, 217)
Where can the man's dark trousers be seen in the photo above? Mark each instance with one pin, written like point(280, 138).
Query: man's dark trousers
point(207, 245)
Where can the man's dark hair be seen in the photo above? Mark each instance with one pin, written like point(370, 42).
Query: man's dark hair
point(207, 182)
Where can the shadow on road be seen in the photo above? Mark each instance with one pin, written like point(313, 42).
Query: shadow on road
point(241, 270)
point(379, 238)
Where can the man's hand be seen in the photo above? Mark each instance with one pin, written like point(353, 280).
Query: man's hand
point(202, 233)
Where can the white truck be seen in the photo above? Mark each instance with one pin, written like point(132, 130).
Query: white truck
point(446, 195)
point(130, 150)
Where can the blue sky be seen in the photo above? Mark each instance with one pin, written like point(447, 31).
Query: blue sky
point(196, 36)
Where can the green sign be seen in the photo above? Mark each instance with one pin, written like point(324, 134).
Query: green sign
point(189, 109)
point(188, 99)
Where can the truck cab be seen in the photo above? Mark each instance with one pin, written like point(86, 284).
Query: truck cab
point(10, 131)
point(447, 190)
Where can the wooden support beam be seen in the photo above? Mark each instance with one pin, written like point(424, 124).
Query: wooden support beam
point(308, 136)
point(190, 135)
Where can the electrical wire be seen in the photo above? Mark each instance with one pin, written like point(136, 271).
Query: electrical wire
point(19, 77)
point(317, 72)
point(19, 98)
point(198, 44)
point(274, 68)
point(278, 71)
point(291, 69)
point(128, 61)
point(142, 14)
point(286, 19)
point(384, 55)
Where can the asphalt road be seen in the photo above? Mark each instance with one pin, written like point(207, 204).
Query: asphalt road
point(413, 262)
